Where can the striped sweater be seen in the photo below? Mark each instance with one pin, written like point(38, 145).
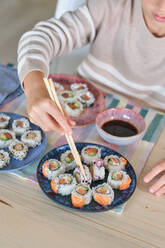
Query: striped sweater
point(123, 55)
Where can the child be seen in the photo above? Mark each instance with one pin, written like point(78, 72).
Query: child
point(127, 54)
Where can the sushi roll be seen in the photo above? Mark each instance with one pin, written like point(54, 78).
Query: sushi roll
point(63, 184)
point(119, 180)
point(6, 137)
point(80, 177)
point(67, 96)
point(18, 149)
point(97, 170)
point(4, 158)
point(86, 98)
point(68, 160)
point(81, 195)
point(90, 154)
point(20, 126)
point(32, 138)
point(52, 168)
point(115, 163)
point(103, 194)
point(58, 87)
point(79, 87)
point(73, 108)
point(4, 120)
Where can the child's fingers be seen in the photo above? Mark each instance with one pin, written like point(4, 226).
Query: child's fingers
point(159, 183)
point(155, 171)
point(161, 191)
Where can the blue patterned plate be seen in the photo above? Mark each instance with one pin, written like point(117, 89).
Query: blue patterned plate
point(33, 153)
point(120, 196)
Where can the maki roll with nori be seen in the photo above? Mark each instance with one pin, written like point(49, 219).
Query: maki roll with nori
point(20, 126)
point(80, 177)
point(32, 138)
point(103, 194)
point(58, 87)
point(79, 87)
point(4, 120)
point(67, 96)
point(81, 195)
point(86, 98)
point(115, 163)
point(68, 160)
point(97, 170)
point(52, 168)
point(73, 108)
point(4, 158)
point(63, 184)
point(6, 137)
point(90, 154)
point(119, 180)
point(18, 149)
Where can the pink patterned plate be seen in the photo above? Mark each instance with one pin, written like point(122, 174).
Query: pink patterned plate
point(89, 114)
point(125, 115)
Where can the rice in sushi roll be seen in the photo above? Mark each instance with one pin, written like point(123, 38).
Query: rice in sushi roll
point(67, 96)
point(80, 177)
point(90, 154)
point(52, 168)
point(103, 194)
point(97, 170)
point(68, 160)
point(18, 149)
point(79, 87)
point(4, 120)
point(63, 184)
point(6, 137)
point(86, 98)
point(81, 195)
point(119, 180)
point(58, 87)
point(115, 163)
point(4, 158)
point(73, 108)
point(32, 138)
point(20, 126)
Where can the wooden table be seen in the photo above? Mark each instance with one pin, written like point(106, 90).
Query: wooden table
point(29, 219)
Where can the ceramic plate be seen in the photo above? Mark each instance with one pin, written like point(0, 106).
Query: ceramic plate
point(89, 114)
point(33, 153)
point(120, 196)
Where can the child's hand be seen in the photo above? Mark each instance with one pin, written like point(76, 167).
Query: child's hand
point(41, 109)
point(157, 188)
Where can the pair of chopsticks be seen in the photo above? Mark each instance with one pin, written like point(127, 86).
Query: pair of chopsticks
point(69, 138)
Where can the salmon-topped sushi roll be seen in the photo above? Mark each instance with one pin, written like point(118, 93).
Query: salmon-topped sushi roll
point(86, 98)
point(4, 120)
point(52, 168)
point(81, 195)
point(79, 87)
point(115, 163)
point(97, 170)
point(119, 180)
point(6, 137)
point(103, 194)
point(67, 96)
point(73, 108)
point(18, 149)
point(63, 184)
point(80, 177)
point(58, 87)
point(68, 160)
point(90, 154)
point(20, 126)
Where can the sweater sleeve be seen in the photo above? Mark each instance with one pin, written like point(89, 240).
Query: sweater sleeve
point(55, 37)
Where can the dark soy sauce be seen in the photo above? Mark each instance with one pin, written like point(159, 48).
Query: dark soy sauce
point(119, 128)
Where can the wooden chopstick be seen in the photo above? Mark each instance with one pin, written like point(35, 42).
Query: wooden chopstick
point(69, 138)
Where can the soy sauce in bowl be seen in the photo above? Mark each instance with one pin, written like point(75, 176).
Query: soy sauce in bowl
point(119, 128)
